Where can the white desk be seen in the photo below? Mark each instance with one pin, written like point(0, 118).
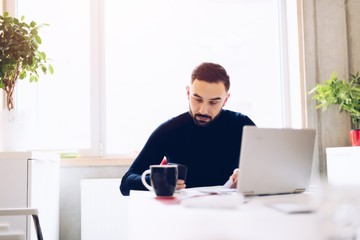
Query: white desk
point(141, 216)
point(149, 218)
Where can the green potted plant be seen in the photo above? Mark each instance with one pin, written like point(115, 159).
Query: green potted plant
point(20, 56)
point(345, 95)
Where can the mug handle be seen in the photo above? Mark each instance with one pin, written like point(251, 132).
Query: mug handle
point(144, 181)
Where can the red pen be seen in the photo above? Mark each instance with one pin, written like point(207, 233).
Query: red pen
point(164, 161)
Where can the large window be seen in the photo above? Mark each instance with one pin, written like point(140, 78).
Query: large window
point(122, 66)
point(60, 103)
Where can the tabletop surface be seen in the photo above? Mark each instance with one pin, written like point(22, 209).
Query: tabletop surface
point(191, 215)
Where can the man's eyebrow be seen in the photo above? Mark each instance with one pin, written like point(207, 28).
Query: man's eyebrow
point(216, 99)
point(212, 99)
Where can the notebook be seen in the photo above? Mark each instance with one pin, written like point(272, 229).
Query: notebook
point(275, 160)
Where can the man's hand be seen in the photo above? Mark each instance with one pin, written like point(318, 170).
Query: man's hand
point(180, 184)
point(234, 178)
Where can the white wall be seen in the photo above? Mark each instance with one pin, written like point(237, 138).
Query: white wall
point(331, 44)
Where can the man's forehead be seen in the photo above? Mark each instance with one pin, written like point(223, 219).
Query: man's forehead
point(208, 90)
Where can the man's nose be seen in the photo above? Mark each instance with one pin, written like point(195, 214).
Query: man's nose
point(203, 109)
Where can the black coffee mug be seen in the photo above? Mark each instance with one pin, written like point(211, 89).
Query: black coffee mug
point(182, 170)
point(163, 179)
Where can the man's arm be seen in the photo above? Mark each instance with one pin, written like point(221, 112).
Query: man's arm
point(151, 154)
point(132, 181)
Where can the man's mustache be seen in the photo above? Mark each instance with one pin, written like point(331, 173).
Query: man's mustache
point(202, 116)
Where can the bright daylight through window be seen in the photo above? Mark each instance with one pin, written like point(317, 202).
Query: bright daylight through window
point(122, 66)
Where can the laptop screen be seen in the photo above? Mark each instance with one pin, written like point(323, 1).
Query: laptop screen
point(275, 160)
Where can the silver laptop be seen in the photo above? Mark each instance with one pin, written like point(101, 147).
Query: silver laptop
point(275, 160)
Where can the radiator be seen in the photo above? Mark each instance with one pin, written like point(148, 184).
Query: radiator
point(100, 199)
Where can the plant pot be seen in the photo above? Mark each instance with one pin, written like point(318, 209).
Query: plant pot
point(17, 130)
point(355, 137)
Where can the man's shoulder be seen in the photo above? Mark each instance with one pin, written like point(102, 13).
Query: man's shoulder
point(181, 120)
point(232, 114)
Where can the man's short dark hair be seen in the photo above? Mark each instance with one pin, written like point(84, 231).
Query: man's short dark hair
point(211, 73)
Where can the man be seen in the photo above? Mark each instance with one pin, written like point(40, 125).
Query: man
point(207, 138)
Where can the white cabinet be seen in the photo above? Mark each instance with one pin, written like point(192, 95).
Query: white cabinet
point(31, 179)
point(343, 165)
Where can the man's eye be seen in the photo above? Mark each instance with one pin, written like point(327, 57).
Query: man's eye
point(213, 103)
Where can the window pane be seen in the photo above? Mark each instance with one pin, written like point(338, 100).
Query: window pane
point(152, 47)
point(150, 50)
point(60, 102)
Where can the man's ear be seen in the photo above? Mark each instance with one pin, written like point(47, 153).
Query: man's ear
point(188, 91)
point(226, 98)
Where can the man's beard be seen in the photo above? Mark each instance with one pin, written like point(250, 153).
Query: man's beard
point(200, 119)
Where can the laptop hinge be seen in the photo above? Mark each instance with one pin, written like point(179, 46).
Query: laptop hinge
point(299, 190)
point(248, 193)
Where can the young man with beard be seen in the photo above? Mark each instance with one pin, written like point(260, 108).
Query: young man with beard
point(207, 138)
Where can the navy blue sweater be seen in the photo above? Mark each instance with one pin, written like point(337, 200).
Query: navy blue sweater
point(210, 152)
